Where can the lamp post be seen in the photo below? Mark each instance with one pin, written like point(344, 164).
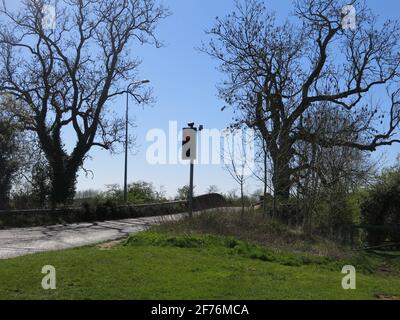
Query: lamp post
point(126, 135)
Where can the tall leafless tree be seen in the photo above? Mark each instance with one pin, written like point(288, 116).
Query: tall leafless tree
point(263, 172)
point(277, 73)
point(65, 75)
point(237, 159)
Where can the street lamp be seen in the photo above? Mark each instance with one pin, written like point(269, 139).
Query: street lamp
point(126, 134)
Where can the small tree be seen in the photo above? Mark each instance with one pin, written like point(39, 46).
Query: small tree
point(183, 193)
point(113, 192)
point(212, 189)
point(382, 207)
point(263, 173)
point(143, 192)
point(237, 161)
point(329, 174)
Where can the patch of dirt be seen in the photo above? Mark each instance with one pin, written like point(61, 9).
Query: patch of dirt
point(110, 244)
point(388, 266)
point(387, 270)
point(386, 297)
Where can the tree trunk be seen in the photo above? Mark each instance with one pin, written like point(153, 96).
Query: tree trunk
point(5, 187)
point(282, 185)
point(265, 201)
point(63, 167)
point(281, 178)
point(242, 197)
point(63, 185)
point(265, 181)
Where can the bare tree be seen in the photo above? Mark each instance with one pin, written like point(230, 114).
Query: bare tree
point(276, 74)
point(237, 160)
point(263, 173)
point(212, 189)
point(330, 173)
point(66, 76)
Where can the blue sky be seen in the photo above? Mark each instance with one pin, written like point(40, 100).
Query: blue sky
point(184, 82)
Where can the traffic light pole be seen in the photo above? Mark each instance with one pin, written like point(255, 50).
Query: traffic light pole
point(191, 189)
point(190, 140)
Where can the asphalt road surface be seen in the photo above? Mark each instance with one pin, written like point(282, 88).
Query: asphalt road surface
point(23, 241)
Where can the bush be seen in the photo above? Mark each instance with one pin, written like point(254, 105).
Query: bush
point(234, 200)
point(334, 213)
point(143, 192)
point(382, 207)
point(140, 192)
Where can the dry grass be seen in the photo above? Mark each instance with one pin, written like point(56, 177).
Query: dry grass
point(385, 297)
point(110, 244)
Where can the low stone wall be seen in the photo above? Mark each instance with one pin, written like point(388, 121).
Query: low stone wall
point(208, 201)
point(41, 217)
point(30, 218)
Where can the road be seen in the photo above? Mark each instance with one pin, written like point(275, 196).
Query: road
point(23, 241)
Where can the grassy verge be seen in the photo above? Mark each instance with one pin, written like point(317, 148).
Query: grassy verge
point(161, 265)
point(253, 227)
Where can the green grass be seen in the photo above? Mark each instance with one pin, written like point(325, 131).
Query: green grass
point(153, 265)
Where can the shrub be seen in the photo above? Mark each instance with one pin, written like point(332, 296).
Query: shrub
point(382, 207)
point(143, 192)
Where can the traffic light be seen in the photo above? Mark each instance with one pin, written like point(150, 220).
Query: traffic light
point(189, 144)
